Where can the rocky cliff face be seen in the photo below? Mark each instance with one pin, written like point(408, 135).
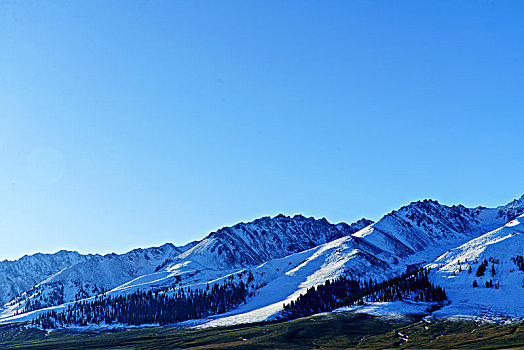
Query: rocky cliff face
point(264, 239)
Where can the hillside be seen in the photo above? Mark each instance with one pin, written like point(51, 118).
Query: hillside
point(485, 276)
point(275, 260)
point(16, 276)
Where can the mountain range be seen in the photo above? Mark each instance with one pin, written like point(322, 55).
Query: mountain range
point(279, 258)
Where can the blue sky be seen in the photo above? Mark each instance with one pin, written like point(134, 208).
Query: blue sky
point(135, 123)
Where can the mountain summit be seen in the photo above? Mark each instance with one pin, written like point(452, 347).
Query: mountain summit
point(271, 261)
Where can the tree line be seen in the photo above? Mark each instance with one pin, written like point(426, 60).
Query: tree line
point(162, 308)
point(151, 307)
point(344, 291)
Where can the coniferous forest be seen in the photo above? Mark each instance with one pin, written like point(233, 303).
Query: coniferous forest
point(342, 291)
point(148, 307)
point(158, 307)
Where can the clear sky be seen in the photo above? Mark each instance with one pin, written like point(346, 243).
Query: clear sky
point(129, 124)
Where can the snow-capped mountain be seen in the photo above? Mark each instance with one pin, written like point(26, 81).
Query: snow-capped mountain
point(244, 244)
point(485, 276)
point(414, 234)
point(265, 239)
point(283, 280)
point(16, 276)
point(284, 256)
point(92, 277)
point(422, 225)
point(511, 210)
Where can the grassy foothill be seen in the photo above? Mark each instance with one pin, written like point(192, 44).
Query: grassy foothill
point(328, 331)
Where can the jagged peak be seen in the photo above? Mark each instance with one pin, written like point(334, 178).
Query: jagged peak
point(267, 238)
point(359, 224)
point(518, 202)
point(425, 202)
point(166, 246)
point(284, 219)
point(61, 252)
point(512, 209)
point(419, 205)
point(364, 221)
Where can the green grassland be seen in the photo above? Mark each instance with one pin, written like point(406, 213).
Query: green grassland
point(330, 331)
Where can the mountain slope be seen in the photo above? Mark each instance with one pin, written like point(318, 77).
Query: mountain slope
point(265, 239)
point(19, 275)
point(424, 225)
point(213, 257)
point(243, 246)
point(416, 233)
point(284, 256)
point(91, 277)
point(421, 232)
point(412, 235)
point(485, 276)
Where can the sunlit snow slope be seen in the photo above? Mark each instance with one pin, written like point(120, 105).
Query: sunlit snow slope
point(287, 255)
point(16, 276)
point(485, 276)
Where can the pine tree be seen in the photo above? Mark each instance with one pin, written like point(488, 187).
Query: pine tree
point(482, 268)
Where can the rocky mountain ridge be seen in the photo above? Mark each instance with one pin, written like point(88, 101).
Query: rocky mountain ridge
point(285, 255)
point(16, 276)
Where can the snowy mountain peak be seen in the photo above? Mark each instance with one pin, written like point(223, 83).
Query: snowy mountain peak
point(93, 276)
point(512, 209)
point(419, 226)
point(281, 257)
point(267, 238)
point(19, 275)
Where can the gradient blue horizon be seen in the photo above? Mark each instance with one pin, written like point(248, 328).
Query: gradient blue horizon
point(129, 124)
